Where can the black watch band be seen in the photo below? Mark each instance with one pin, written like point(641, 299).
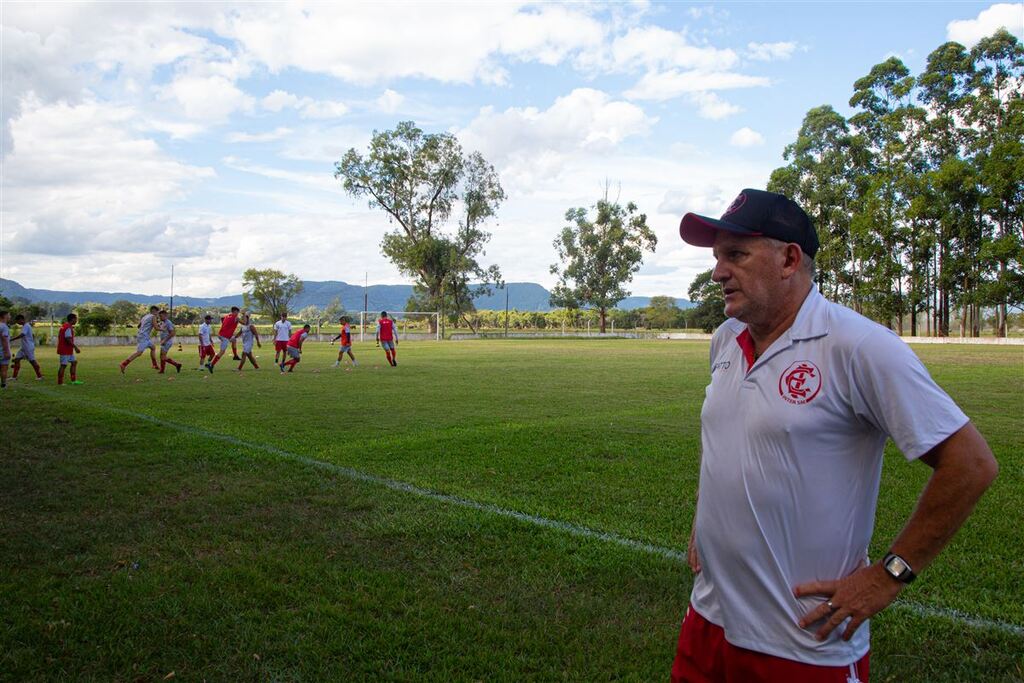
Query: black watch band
point(898, 568)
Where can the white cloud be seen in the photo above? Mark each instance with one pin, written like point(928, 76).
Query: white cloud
point(210, 99)
point(711, 106)
point(79, 179)
point(268, 136)
point(746, 137)
point(767, 52)
point(667, 85)
point(652, 47)
point(389, 101)
point(1002, 15)
point(307, 107)
point(530, 144)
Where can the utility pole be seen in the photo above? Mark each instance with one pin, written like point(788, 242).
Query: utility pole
point(506, 310)
point(171, 312)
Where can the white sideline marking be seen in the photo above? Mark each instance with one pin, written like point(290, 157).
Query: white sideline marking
point(919, 609)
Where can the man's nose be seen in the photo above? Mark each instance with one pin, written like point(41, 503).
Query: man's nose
point(720, 273)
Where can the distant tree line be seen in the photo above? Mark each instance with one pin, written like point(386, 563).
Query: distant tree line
point(918, 198)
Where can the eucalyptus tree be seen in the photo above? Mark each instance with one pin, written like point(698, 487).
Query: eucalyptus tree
point(421, 181)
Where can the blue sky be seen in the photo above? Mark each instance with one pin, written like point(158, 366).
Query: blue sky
point(140, 135)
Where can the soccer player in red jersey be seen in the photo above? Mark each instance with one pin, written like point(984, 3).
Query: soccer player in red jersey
point(227, 331)
point(248, 333)
point(346, 342)
point(295, 348)
point(387, 338)
point(66, 349)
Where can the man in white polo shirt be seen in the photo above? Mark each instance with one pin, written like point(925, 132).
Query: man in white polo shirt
point(803, 395)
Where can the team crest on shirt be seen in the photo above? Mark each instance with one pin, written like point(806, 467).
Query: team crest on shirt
point(800, 382)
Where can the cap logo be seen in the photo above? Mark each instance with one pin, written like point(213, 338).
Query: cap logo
point(800, 382)
point(737, 203)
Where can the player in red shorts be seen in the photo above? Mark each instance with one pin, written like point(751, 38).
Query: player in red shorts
point(295, 349)
point(346, 342)
point(387, 338)
point(66, 349)
point(282, 331)
point(206, 342)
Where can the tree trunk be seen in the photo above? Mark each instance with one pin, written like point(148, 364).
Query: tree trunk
point(604, 312)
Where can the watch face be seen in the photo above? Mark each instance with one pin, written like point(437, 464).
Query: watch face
point(896, 566)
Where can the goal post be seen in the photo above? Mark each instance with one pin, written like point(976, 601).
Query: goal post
point(416, 323)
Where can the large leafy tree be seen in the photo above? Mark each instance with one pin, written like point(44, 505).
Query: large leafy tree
point(269, 291)
point(598, 257)
point(707, 294)
point(440, 199)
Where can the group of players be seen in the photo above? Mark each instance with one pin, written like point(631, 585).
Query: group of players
point(287, 344)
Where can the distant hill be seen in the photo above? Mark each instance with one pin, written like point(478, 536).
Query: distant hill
point(522, 296)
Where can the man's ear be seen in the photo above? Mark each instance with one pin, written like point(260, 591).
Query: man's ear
point(794, 258)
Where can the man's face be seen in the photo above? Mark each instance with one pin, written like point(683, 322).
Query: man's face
point(749, 269)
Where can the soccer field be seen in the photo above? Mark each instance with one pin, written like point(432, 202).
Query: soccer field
point(494, 510)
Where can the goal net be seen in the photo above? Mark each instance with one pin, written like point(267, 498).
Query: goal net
point(409, 325)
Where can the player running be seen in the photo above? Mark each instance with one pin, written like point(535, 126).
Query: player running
point(282, 331)
point(227, 331)
point(144, 339)
point(387, 338)
point(5, 347)
point(28, 348)
point(295, 348)
point(166, 327)
point(66, 350)
point(206, 343)
point(346, 342)
point(248, 333)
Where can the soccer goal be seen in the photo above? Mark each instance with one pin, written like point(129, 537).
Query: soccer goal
point(408, 324)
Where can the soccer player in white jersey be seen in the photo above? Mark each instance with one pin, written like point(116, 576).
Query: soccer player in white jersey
point(166, 327)
point(144, 339)
point(5, 347)
point(206, 342)
point(247, 331)
point(282, 331)
point(28, 347)
point(803, 396)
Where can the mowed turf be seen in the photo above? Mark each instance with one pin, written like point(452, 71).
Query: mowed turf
point(130, 549)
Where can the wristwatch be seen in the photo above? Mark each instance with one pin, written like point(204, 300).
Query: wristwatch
point(898, 568)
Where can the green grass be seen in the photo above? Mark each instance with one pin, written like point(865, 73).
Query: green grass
point(130, 549)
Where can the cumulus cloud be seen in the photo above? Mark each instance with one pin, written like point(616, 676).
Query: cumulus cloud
point(1002, 15)
point(211, 99)
point(667, 85)
point(79, 179)
point(268, 136)
point(767, 52)
point(653, 47)
point(711, 106)
point(307, 107)
point(530, 143)
point(746, 137)
point(389, 101)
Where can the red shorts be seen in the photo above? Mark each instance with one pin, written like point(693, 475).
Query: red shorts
point(280, 345)
point(705, 656)
point(208, 351)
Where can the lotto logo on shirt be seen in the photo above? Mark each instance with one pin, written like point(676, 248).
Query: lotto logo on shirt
point(800, 382)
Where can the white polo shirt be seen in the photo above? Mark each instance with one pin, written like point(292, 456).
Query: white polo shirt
point(790, 469)
point(204, 335)
point(282, 330)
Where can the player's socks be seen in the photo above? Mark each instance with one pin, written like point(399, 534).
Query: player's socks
point(163, 366)
point(123, 365)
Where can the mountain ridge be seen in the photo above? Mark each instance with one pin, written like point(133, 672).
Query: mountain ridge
point(522, 296)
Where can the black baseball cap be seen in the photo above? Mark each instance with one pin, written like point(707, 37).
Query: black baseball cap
point(754, 213)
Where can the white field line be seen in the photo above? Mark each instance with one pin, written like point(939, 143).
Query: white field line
point(969, 620)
